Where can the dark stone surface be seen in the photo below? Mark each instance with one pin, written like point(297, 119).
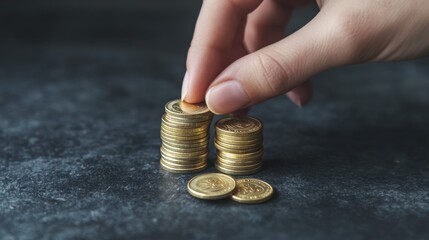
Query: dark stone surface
point(82, 90)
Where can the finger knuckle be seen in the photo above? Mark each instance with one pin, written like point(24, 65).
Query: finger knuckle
point(274, 74)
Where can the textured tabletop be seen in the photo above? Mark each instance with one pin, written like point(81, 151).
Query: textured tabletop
point(82, 89)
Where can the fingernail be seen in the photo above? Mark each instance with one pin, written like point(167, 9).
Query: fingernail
point(185, 85)
point(227, 97)
point(295, 98)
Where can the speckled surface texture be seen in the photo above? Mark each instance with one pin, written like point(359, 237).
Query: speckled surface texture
point(82, 89)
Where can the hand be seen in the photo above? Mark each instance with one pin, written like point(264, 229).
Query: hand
point(240, 56)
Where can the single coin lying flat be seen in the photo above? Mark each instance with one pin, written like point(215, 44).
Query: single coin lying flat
point(211, 186)
point(251, 191)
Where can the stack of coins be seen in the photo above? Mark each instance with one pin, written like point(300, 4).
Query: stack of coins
point(239, 145)
point(185, 137)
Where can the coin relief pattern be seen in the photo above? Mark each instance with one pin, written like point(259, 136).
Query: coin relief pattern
point(238, 125)
point(212, 184)
point(253, 190)
point(176, 107)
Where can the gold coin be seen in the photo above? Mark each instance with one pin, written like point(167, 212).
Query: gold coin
point(181, 154)
point(238, 126)
point(183, 171)
point(238, 151)
point(183, 109)
point(185, 146)
point(178, 158)
point(172, 140)
point(166, 137)
point(238, 162)
point(184, 135)
point(238, 146)
point(183, 124)
point(238, 141)
point(237, 172)
point(202, 122)
point(253, 155)
point(184, 150)
point(242, 167)
point(184, 161)
point(183, 165)
point(250, 190)
point(239, 138)
point(211, 186)
point(183, 131)
point(199, 119)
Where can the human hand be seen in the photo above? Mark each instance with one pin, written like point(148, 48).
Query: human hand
point(240, 56)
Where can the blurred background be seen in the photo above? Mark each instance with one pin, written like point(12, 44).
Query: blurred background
point(83, 85)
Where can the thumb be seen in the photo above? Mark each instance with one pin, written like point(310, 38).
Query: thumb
point(271, 71)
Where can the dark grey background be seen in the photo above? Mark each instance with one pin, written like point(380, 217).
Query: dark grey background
point(82, 89)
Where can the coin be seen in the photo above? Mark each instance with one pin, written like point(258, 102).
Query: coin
point(238, 126)
point(185, 124)
point(182, 165)
point(198, 119)
point(238, 141)
point(184, 150)
point(236, 167)
point(185, 132)
point(252, 155)
point(182, 131)
point(181, 154)
point(211, 186)
point(183, 170)
point(237, 172)
point(238, 145)
point(236, 148)
point(185, 146)
point(189, 161)
point(181, 137)
point(250, 190)
point(183, 140)
point(238, 162)
point(182, 109)
point(178, 158)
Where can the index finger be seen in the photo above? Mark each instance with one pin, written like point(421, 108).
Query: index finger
point(217, 42)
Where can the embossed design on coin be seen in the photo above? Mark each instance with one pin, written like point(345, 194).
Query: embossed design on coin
point(239, 125)
point(250, 190)
point(211, 186)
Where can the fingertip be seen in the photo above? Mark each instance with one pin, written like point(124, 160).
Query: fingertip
point(302, 94)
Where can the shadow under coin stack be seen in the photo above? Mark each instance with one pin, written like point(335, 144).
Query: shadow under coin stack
point(239, 145)
point(185, 137)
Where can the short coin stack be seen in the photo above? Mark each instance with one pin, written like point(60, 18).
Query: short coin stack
point(185, 137)
point(239, 145)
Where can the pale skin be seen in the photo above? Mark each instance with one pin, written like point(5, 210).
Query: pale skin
point(241, 56)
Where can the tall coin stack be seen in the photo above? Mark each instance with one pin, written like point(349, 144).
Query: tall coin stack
point(239, 145)
point(185, 137)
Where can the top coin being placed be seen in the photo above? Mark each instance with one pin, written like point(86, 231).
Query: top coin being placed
point(251, 190)
point(238, 125)
point(184, 109)
point(211, 186)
